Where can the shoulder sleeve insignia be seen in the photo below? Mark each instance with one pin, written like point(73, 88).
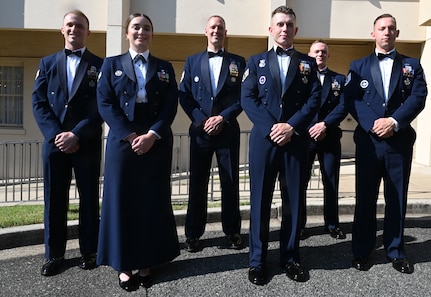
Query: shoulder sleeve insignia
point(348, 79)
point(245, 75)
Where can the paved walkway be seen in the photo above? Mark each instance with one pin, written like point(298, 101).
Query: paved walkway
point(218, 272)
point(419, 204)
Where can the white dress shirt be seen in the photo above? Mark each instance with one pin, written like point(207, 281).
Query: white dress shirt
point(215, 64)
point(141, 75)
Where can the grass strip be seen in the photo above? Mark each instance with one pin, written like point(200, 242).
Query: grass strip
point(21, 215)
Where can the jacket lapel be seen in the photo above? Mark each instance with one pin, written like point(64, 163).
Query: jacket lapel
point(62, 71)
point(205, 72)
point(127, 63)
point(376, 75)
point(275, 70)
point(395, 76)
point(326, 87)
point(223, 73)
point(151, 69)
point(291, 72)
point(80, 72)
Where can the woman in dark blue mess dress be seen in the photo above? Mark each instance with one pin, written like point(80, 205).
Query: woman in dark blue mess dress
point(138, 98)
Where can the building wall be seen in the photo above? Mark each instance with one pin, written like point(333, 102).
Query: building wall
point(38, 43)
point(179, 27)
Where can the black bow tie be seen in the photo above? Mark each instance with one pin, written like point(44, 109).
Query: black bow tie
point(391, 55)
point(68, 52)
point(213, 54)
point(282, 52)
point(138, 58)
point(323, 71)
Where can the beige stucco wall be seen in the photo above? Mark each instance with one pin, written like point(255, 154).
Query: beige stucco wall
point(243, 17)
point(316, 18)
point(425, 12)
point(423, 128)
point(338, 21)
point(48, 14)
point(354, 19)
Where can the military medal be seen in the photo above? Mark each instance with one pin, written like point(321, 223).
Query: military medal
point(163, 76)
point(233, 69)
point(92, 72)
point(408, 72)
point(305, 70)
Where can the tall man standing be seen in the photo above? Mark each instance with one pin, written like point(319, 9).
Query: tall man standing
point(325, 138)
point(280, 94)
point(209, 93)
point(65, 108)
point(384, 92)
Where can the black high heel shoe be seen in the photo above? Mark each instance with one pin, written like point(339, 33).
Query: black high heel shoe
point(130, 285)
point(145, 281)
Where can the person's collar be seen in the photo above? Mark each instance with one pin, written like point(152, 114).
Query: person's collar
point(382, 52)
point(323, 70)
point(144, 54)
point(275, 48)
point(82, 49)
point(210, 50)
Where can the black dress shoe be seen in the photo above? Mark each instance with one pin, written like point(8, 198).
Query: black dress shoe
point(295, 272)
point(402, 265)
point(193, 244)
point(234, 241)
point(336, 233)
point(129, 285)
point(87, 262)
point(362, 263)
point(145, 281)
point(256, 275)
point(302, 234)
point(52, 266)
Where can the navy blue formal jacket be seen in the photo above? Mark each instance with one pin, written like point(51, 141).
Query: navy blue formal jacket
point(195, 91)
point(264, 101)
point(55, 110)
point(332, 108)
point(365, 97)
point(118, 88)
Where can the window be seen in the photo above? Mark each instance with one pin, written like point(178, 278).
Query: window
point(11, 96)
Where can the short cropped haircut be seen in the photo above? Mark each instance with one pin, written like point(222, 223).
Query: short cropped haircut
point(385, 15)
point(320, 41)
point(217, 16)
point(285, 10)
point(78, 13)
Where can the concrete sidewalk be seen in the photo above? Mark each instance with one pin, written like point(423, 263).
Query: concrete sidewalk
point(221, 272)
point(419, 204)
